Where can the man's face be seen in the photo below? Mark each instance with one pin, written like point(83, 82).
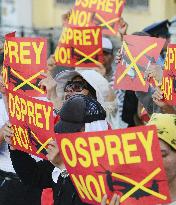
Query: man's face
point(76, 86)
point(169, 160)
point(107, 61)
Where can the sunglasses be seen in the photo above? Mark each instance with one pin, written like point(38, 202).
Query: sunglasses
point(76, 86)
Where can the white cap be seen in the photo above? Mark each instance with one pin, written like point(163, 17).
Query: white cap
point(107, 44)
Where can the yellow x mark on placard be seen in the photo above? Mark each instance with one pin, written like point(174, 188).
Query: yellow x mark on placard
point(88, 57)
point(107, 23)
point(134, 60)
point(140, 185)
point(43, 145)
point(27, 81)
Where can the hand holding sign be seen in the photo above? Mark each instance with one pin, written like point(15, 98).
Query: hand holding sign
point(54, 156)
point(7, 133)
point(114, 201)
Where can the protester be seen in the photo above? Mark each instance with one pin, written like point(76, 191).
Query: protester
point(12, 190)
point(166, 127)
point(77, 113)
point(71, 82)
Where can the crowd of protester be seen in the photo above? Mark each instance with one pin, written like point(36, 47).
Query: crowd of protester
point(84, 100)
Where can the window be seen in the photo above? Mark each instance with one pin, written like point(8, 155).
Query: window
point(137, 3)
point(65, 1)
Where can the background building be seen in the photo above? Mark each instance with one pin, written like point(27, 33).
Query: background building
point(43, 17)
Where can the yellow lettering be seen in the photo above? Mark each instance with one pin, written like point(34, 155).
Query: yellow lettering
point(24, 52)
point(113, 146)
point(85, 161)
point(38, 51)
point(81, 186)
point(47, 114)
point(66, 144)
point(38, 115)
point(147, 143)
point(96, 152)
point(128, 148)
point(13, 51)
point(95, 33)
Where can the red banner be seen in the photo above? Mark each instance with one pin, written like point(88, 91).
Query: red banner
point(33, 123)
point(170, 62)
point(169, 87)
point(138, 52)
point(125, 161)
point(24, 61)
point(169, 76)
point(80, 47)
point(100, 13)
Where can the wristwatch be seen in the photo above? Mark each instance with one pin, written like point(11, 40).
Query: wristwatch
point(64, 174)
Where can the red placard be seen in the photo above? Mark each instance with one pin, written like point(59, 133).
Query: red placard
point(170, 62)
point(138, 52)
point(169, 87)
point(24, 61)
point(33, 123)
point(125, 161)
point(80, 47)
point(104, 13)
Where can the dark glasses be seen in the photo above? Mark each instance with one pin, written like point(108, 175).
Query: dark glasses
point(76, 86)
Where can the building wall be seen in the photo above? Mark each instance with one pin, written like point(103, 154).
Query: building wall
point(47, 13)
point(16, 13)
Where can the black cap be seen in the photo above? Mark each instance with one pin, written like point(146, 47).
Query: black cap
point(160, 29)
point(78, 110)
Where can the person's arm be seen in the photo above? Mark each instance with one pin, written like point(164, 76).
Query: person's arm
point(32, 173)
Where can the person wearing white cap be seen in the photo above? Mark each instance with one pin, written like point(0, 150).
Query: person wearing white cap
point(108, 61)
point(97, 86)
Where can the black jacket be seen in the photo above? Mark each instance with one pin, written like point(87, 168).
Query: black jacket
point(39, 175)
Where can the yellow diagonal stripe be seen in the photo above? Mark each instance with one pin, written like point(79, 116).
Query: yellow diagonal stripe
point(88, 57)
point(105, 23)
point(134, 61)
point(140, 185)
point(109, 22)
point(27, 81)
point(44, 145)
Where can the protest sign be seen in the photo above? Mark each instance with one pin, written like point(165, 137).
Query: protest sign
point(104, 13)
point(32, 122)
point(80, 47)
point(24, 61)
point(138, 53)
point(170, 62)
point(125, 161)
point(169, 87)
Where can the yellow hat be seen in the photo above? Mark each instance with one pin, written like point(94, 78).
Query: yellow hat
point(166, 127)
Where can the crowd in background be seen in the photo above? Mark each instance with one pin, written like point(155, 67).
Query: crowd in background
point(95, 106)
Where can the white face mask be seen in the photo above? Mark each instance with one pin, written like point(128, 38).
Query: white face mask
point(100, 125)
